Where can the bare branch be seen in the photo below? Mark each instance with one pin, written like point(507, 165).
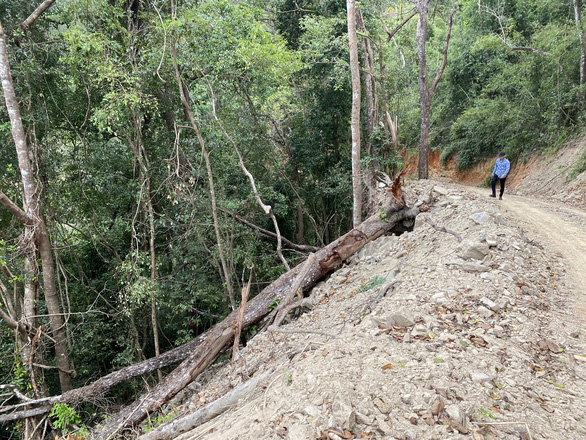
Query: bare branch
point(238, 330)
point(529, 49)
point(443, 229)
point(270, 234)
point(266, 208)
point(35, 15)
point(503, 36)
point(18, 213)
point(285, 306)
point(391, 34)
point(445, 62)
point(24, 414)
point(13, 323)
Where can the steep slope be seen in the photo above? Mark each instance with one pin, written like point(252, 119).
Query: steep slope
point(463, 328)
point(549, 177)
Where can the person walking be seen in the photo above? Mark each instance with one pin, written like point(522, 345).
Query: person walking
point(500, 171)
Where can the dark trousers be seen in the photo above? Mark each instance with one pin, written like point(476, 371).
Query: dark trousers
point(494, 180)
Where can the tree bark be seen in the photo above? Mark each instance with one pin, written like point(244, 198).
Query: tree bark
point(369, 83)
point(326, 260)
point(420, 38)
point(578, 20)
point(355, 123)
point(188, 422)
point(425, 91)
point(36, 235)
point(35, 15)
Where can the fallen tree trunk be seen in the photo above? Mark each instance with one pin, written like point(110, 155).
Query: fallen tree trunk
point(98, 389)
point(188, 422)
point(326, 259)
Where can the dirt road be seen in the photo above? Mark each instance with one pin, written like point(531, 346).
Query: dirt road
point(561, 228)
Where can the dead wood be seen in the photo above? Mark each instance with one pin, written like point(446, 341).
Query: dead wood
point(327, 259)
point(285, 306)
point(95, 391)
point(270, 235)
point(443, 229)
point(188, 422)
point(245, 293)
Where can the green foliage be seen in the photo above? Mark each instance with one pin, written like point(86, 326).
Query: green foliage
point(274, 304)
point(20, 377)
point(484, 414)
point(154, 422)
point(288, 377)
point(579, 167)
point(376, 281)
point(64, 417)
point(96, 79)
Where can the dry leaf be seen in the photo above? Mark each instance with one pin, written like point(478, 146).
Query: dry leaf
point(428, 418)
point(461, 429)
point(553, 347)
point(497, 410)
point(438, 406)
point(477, 435)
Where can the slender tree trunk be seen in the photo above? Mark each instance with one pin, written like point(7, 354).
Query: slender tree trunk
point(369, 84)
point(421, 36)
point(300, 223)
point(578, 19)
point(189, 113)
point(137, 146)
point(36, 235)
point(355, 123)
point(425, 91)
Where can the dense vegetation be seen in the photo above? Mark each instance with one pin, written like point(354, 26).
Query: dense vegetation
point(125, 175)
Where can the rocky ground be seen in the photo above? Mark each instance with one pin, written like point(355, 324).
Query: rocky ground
point(465, 327)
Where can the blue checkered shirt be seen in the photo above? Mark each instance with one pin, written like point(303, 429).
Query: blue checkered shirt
point(501, 167)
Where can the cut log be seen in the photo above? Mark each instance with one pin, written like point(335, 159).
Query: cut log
point(326, 259)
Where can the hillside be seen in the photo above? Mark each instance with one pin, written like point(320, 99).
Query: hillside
point(470, 326)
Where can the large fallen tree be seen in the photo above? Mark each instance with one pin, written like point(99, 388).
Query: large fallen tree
point(197, 354)
point(326, 259)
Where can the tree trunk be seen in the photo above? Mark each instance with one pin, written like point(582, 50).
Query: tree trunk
point(140, 154)
point(188, 422)
point(421, 36)
point(578, 20)
point(425, 91)
point(270, 235)
point(326, 260)
point(355, 123)
point(369, 84)
point(36, 237)
point(189, 113)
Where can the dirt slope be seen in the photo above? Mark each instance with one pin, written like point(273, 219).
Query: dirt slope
point(464, 328)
